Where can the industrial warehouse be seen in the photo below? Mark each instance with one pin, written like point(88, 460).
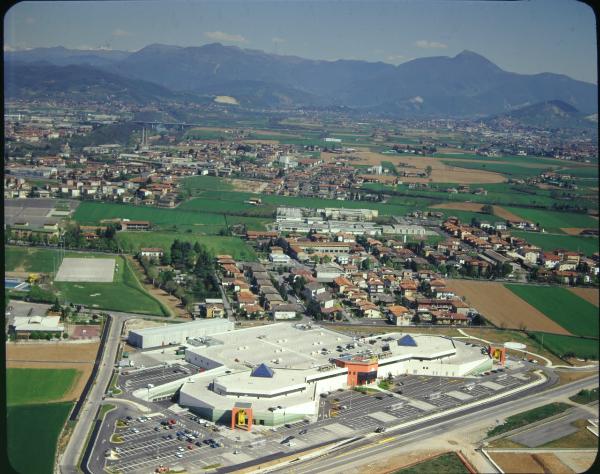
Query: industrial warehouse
point(275, 374)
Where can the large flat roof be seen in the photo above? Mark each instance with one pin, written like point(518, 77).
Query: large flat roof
point(178, 327)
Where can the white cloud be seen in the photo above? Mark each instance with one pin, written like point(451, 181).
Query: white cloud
point(30, 20)
point(221, 36)
point(429, 44)
point(395, 57)
point(278, 40)
point(121, 33)
point(417, 100)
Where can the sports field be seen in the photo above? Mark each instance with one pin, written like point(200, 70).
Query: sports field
point(33, 432)
point(218, 245)
point(25, 386)
point(123, 294)
point(96, 270)
point(562, 306)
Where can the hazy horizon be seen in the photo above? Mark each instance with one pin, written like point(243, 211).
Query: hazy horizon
point(531, 37)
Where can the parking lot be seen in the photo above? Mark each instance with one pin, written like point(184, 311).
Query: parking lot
point(149, 444)
point(155, 376)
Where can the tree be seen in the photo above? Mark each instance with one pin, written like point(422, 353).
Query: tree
point(487, 209)
point(170, 286)
point(428, 170)
point(56, 306)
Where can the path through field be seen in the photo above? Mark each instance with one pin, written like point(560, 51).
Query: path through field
point(501, 306)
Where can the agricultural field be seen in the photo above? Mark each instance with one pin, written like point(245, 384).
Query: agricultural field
point(63, 355)
point(234, 246)
point(502, 307)
point(123, 294)
point(27, 386)
point(23, 432)
point(591, 295)
point(506, 169)
point(441, 172)
point(568, 346)
point(562, 306)
point(553, 221)
point(530, 462)
point(549, 242)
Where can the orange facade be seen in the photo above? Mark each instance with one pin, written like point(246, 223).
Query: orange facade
point(498, 353)
point(360, 372)
point(241, 418)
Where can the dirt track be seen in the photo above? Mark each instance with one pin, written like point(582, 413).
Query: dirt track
point(441, 173)
point(589, 294)
point(62, 355)
point(501, 306)
point(572, 230)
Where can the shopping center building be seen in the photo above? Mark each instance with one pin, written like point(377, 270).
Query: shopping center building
point(274, 374)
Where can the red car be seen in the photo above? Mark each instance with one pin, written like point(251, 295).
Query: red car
point(190, 446)
point(172, 421)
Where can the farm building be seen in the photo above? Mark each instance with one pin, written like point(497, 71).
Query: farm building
point(24, 326)
point(177, 333)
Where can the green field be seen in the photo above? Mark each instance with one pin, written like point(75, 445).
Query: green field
point(206, 183)
point(528, 417)
point(549, 242)
point(234, 246)
point(565, 345)
point(552, 221)
point(124, 294)
point(25, 386)
point(511, 170)
point(562, 306)
point(34, 427)
point(29, 259)
point(448, 463)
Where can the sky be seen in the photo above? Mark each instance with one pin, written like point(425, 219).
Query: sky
point(527, 37)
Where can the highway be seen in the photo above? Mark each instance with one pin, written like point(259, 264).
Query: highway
point(372, 450)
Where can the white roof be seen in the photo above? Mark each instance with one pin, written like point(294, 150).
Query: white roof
point(38, 323)
point(178, 327)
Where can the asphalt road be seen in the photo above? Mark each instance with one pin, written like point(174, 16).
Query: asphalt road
point(69, 460)
point(371, 450)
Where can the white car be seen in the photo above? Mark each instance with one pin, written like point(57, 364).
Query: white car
point(179, 455)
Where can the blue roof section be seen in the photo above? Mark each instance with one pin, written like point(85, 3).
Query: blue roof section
point(407, 340)
point(262, 370)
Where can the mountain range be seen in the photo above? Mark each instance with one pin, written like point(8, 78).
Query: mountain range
point(464, 86)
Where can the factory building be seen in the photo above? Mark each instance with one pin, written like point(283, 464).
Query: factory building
point(274, 374)
point(177, 333)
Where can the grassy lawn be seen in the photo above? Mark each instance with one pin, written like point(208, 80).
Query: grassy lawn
point(448, 463)
point(206, 183)
point(549, 242)
point(29, 259)
point(527, 417)
point(123, 294)
point(565, 345)
point(34, 427)
point(562, 306)
point(552, 221)
point(234, 246)
point(585, 396)
point(25, 386)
